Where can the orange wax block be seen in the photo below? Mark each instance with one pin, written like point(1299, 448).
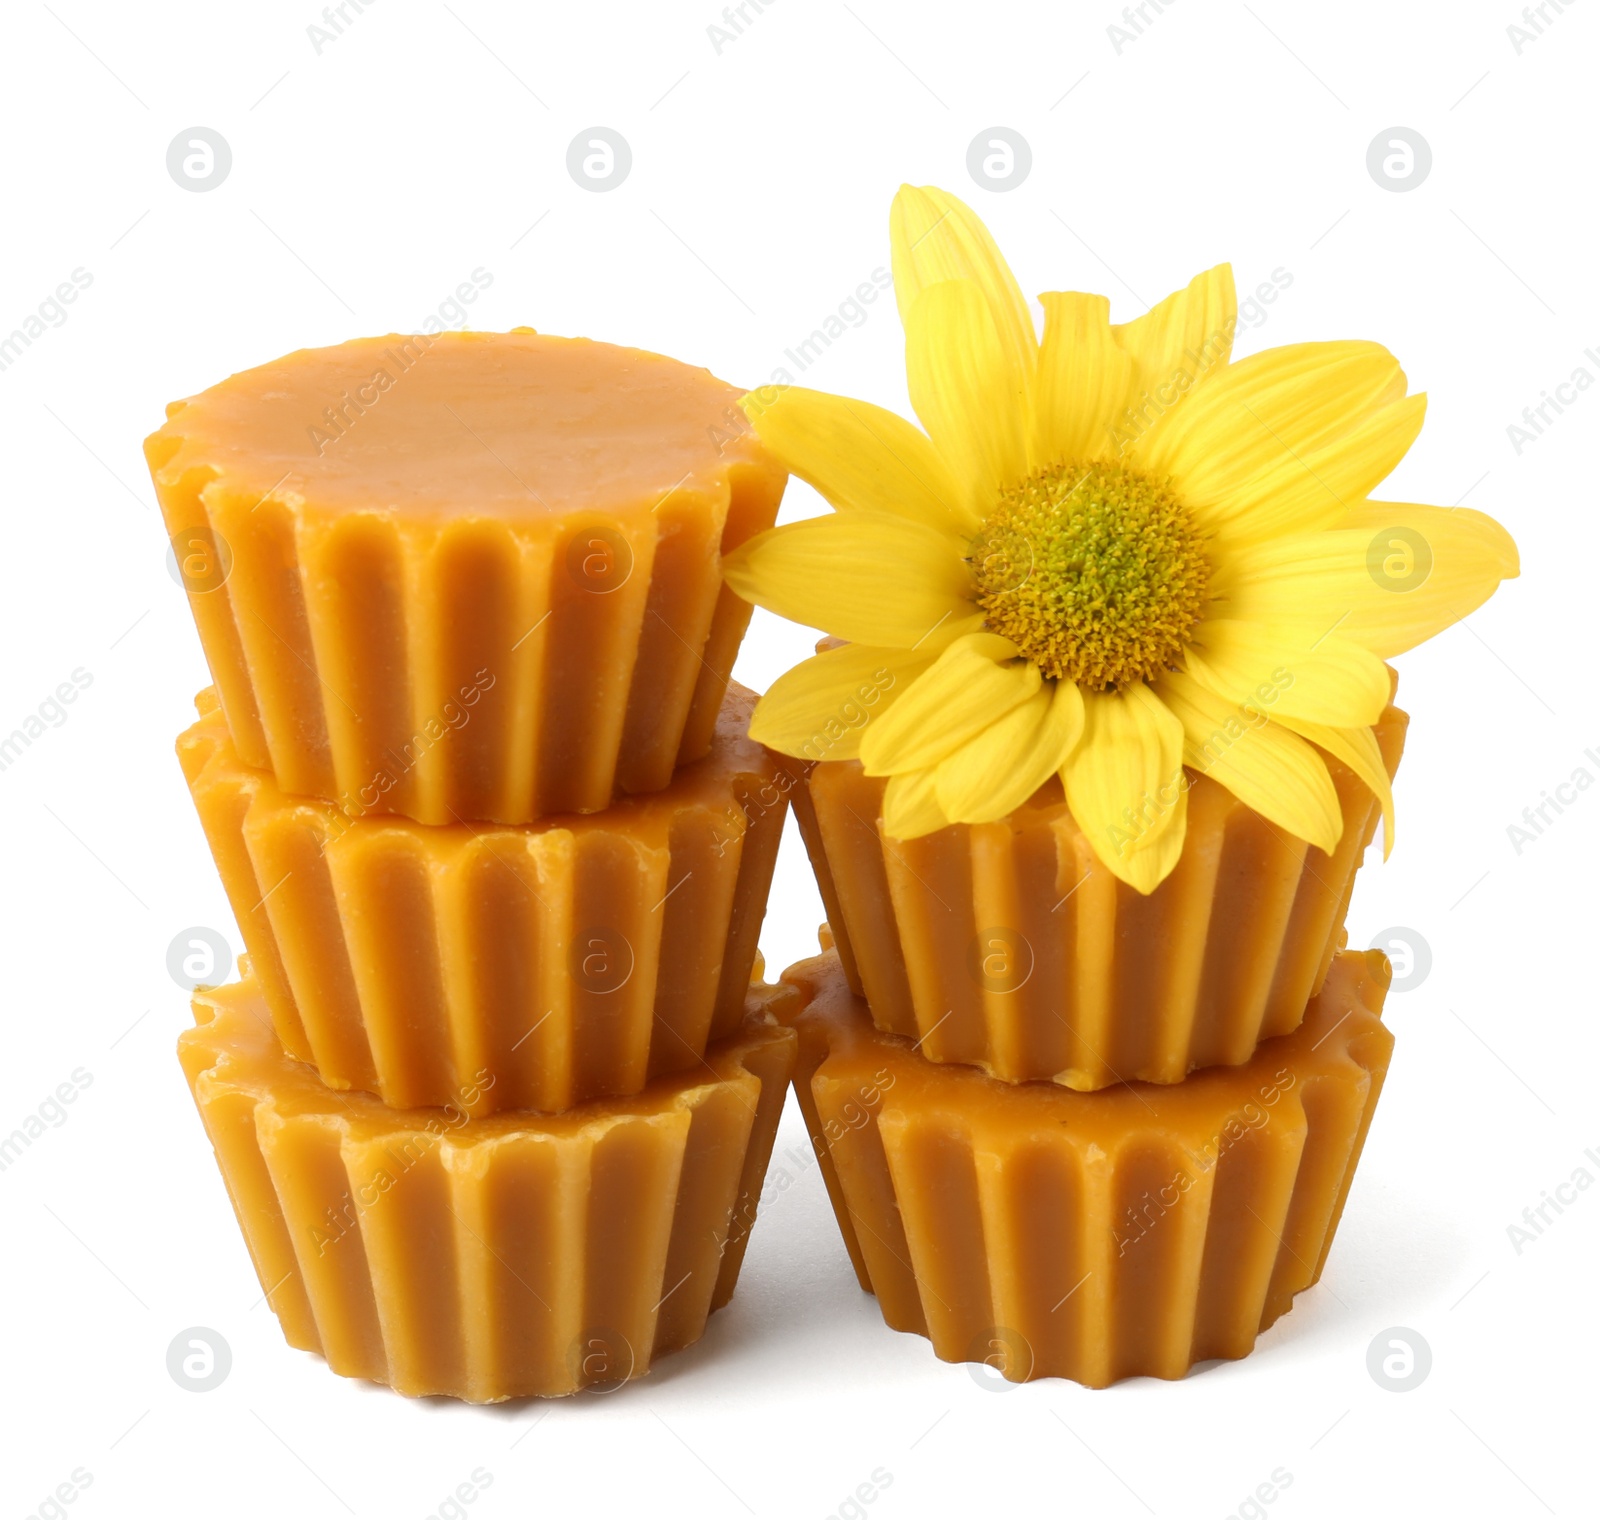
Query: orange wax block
point(500, 966)
point(466, 575)
point(1093, 1236)
point(487, 1258)
point(1009, 946)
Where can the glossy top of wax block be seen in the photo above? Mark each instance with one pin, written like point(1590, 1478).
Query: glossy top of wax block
point(513, 424)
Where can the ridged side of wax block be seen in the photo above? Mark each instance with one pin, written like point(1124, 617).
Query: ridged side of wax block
point(501, 967)
point(489, 1258)
point(475, 669)
point(1009, 947)
point(1093, 1236)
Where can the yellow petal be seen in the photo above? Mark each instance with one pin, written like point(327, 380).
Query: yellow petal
point(1271, 671)
point(973, 683)
point(1175, 346)
point(1009, 761)
point(1230, 446)
point(868, 577)
point(856, 454)
point(1264, 765)
point(1084, 379)
point(911, 805)
point(1144, 869)
point(1315, 488)
point(820, 709)
point(1392, 575)
point(1124, 780)
point(934, 237)
point(967, 391)
point(1357, 748)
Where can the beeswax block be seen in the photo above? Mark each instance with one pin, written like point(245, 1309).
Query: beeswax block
point(1093, 1236)
point(467, 575)
point(488, 1258)
point(1008, 946)
point(499, 966)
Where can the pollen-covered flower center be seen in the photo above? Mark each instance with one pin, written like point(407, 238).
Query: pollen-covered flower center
point(1095, 572)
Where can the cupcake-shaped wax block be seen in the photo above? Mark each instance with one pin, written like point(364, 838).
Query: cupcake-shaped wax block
point(487, 1258)
point(1105, 720)
point(1011, 945)
point(465, 576)
point(500, 966)
point(1094, 1236)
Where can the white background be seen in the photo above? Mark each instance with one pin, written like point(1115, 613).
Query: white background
point(427, 141)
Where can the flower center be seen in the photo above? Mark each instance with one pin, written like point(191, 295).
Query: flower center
point(1095, 572)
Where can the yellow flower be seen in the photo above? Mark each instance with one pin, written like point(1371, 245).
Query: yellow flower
point(1113, 555)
